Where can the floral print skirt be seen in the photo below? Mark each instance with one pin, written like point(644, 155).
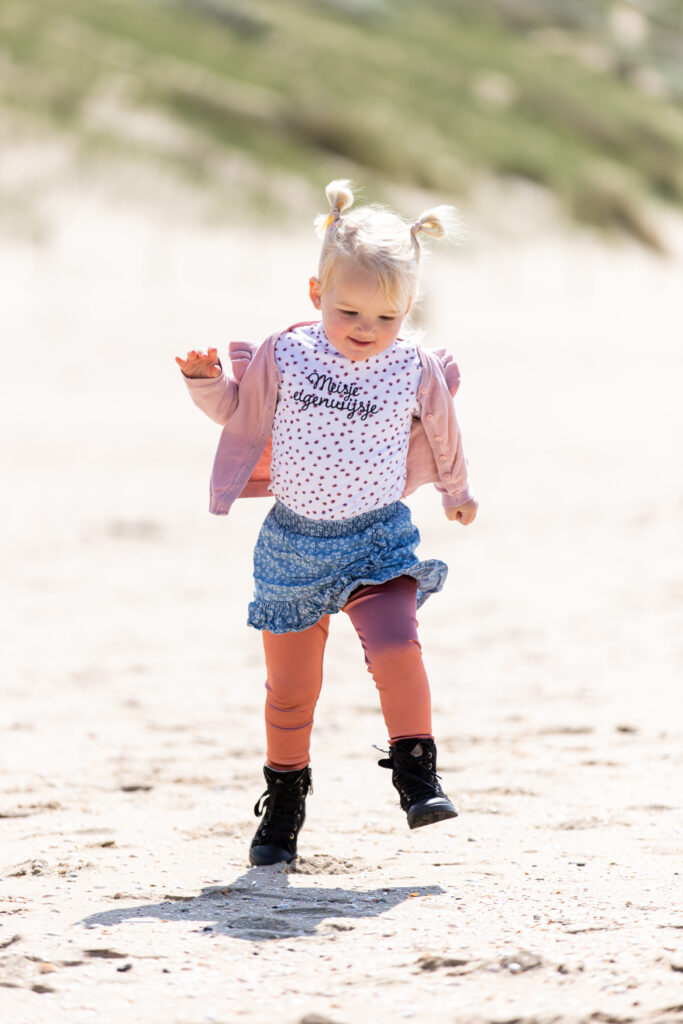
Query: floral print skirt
point(307, 568)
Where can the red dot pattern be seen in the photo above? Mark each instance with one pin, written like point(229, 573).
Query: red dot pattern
point(341, 428)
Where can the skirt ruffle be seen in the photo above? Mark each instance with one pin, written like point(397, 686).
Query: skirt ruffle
point(305, 569)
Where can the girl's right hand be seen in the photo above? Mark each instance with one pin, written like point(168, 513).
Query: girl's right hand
point(201, 364)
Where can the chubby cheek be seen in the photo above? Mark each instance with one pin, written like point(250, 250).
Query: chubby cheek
point(387, 336)
point(338, 331)
point(342, 324)
point(390, 332)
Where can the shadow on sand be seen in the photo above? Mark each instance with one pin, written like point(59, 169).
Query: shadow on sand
point(261, 905)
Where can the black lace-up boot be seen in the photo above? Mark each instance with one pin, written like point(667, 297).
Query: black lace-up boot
point(283, 806)
point(413, 766)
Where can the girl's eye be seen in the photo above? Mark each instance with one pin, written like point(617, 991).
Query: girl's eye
point(389, 318)
point(347, 312)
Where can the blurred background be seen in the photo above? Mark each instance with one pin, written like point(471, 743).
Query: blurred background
point(161, 163)
point(246, 108)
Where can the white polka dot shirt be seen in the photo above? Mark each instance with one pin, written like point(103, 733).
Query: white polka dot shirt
point(341, 427)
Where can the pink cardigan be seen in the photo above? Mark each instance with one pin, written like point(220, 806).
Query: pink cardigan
point(245, 406)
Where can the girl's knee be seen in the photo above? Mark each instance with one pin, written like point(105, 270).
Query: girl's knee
point(400, 655)
point(292, 694)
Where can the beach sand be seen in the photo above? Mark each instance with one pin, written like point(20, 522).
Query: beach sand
point(132, 740)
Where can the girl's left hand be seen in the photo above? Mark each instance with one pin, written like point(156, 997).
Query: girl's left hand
point(463, 514)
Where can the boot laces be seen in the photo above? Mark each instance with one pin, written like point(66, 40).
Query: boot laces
point(419, 781)
point(414, 776)
point(283, 804)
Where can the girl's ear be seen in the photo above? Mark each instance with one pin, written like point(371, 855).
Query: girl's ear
point(314, 291)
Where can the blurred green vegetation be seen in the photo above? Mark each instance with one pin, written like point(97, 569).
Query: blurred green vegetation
point(585, 98)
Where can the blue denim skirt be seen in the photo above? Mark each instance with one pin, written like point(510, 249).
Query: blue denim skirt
point(307, 568)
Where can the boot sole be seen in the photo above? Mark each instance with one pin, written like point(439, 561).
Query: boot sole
point(429, 812)
point(262, 855)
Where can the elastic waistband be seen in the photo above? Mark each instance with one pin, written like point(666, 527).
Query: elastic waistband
point(332, 527)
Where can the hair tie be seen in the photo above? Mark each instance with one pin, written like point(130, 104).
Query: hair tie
point(333, 219)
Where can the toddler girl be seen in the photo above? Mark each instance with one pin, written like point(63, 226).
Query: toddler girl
point(338, 419)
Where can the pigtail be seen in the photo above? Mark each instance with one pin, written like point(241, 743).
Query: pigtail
point(340, 197)
point(439, 222)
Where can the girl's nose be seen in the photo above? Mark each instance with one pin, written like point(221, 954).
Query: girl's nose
point(365, 326)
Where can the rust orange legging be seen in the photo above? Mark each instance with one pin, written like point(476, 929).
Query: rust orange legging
point(384, 619)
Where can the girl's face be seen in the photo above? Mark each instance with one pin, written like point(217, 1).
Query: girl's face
point(358, 320)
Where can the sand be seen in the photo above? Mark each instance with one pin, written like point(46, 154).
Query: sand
point(132, 743)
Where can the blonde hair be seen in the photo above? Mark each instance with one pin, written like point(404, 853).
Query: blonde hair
point(378, 240)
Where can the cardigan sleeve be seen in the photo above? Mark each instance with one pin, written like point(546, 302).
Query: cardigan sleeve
point(443, 430)
point(218, 397)
point(454, 482)
point(450, 370)
point(215, 396)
